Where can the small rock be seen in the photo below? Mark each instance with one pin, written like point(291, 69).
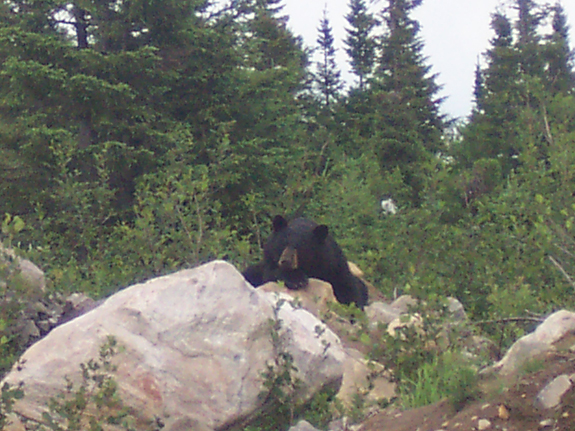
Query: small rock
point(380, 312)
point(403, 303)
point(456, 309)
point(303, 426)
point(546, 423)
point(44, 326)
point(550, 395)
point(338, 424)
point(483, 424)
point(29, 331)
point(503, 413)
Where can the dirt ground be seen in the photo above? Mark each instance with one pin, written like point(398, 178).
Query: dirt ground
point(507, 405)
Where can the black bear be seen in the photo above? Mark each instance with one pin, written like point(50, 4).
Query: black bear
point(301, 249)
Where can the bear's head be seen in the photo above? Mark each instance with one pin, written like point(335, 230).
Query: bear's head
point(294, 244)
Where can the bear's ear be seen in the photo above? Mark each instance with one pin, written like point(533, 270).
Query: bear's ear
point(320, 233)
point(279, 223)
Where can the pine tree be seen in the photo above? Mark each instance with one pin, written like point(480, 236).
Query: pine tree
point(403, 92)
point(403, 74)
point(272, 73)
point(559, 56)
point(478, 87)
point(528, 40)
point(491, 132)
point(360, 42)
point(83, 124)
point(328, 76)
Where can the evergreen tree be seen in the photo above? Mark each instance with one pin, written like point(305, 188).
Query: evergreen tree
point(81, 126)
point(273, 45)
point(528, 40)
point(408, 125)
point(478, 86)
point(492, 132)
point(328, 76)
point(559, 56)
point(272, 74)
point(514, 97)
point(360, 42)
point(403, 75)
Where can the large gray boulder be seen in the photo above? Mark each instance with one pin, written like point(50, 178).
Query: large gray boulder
point(196, 343)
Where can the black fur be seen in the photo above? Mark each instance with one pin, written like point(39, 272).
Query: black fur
point(301, 249)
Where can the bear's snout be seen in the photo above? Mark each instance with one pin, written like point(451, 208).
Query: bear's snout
point(288, 259)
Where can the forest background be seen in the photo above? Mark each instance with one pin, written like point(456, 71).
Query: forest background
point(141, 137)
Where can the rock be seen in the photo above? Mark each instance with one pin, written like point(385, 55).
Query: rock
point(456, 309)
point(550, 395)
point(303, 426)
point(403, 303)
point(339, 424)
point(380, 312)
point(556, 326)
point(196, 343)
point(355, 270)
point(32, 276)
point(364, 378)
point(185, 423)
point(315, 297)
point(406, 320)
point(28, 331)
point(483, 424)
point(316, 350)
point(76, 304)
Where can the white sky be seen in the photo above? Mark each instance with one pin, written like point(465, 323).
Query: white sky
point(455, 34)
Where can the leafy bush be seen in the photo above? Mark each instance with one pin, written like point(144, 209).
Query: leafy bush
point(423, 355)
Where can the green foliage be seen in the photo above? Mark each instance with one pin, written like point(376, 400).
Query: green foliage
point(422, 334)
point(8, 396)
point(279, 396)
point(15, 292)
point(328, 77)
point(11, 226)
point(360, 41)
point(447, 376)
point(424, 357)
point(319, 411)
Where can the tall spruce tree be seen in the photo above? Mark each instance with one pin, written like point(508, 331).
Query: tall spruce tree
point(272, 74)
point(360, 41)
point(491, 132)
point(408, 124)
point(528, 40)
point(560, 74)
point(478, 86)
point(403, 75)
point(327, 78)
